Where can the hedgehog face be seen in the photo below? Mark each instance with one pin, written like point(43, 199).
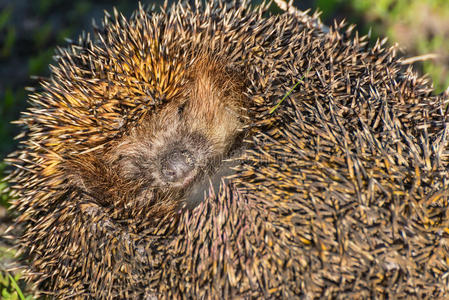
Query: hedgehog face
point(186, 139)
point(163, 152)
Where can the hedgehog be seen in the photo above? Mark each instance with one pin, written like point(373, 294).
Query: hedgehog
point(216, 151)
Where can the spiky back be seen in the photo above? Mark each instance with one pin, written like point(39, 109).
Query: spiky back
point(341, 191)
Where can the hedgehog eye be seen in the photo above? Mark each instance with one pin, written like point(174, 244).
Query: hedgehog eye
point(181, 109)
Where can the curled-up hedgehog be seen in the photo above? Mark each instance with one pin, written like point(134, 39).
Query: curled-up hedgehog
point(338, 191)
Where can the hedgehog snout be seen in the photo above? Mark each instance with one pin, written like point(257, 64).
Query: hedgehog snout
point(177, 165)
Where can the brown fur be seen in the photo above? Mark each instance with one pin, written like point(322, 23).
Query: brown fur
point(207, 120)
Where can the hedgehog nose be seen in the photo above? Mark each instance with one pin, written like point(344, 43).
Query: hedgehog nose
point(177, 165)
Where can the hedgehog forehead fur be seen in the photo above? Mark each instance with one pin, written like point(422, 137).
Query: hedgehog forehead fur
point(341, 192)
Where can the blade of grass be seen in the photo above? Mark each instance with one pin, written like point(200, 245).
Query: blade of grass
point(16, 287)
point(288, 93)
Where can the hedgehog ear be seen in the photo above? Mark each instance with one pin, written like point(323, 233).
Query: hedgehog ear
point(181, 108)
point(83, 176)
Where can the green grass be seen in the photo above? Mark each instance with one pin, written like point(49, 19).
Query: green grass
point(8, 42)
point(419, 26)
point(4, 197)
point(288, 93)
point(10, 288)
point(11, 285)
point(5, 16)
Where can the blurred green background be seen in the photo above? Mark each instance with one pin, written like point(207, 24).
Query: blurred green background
point(31, 29)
